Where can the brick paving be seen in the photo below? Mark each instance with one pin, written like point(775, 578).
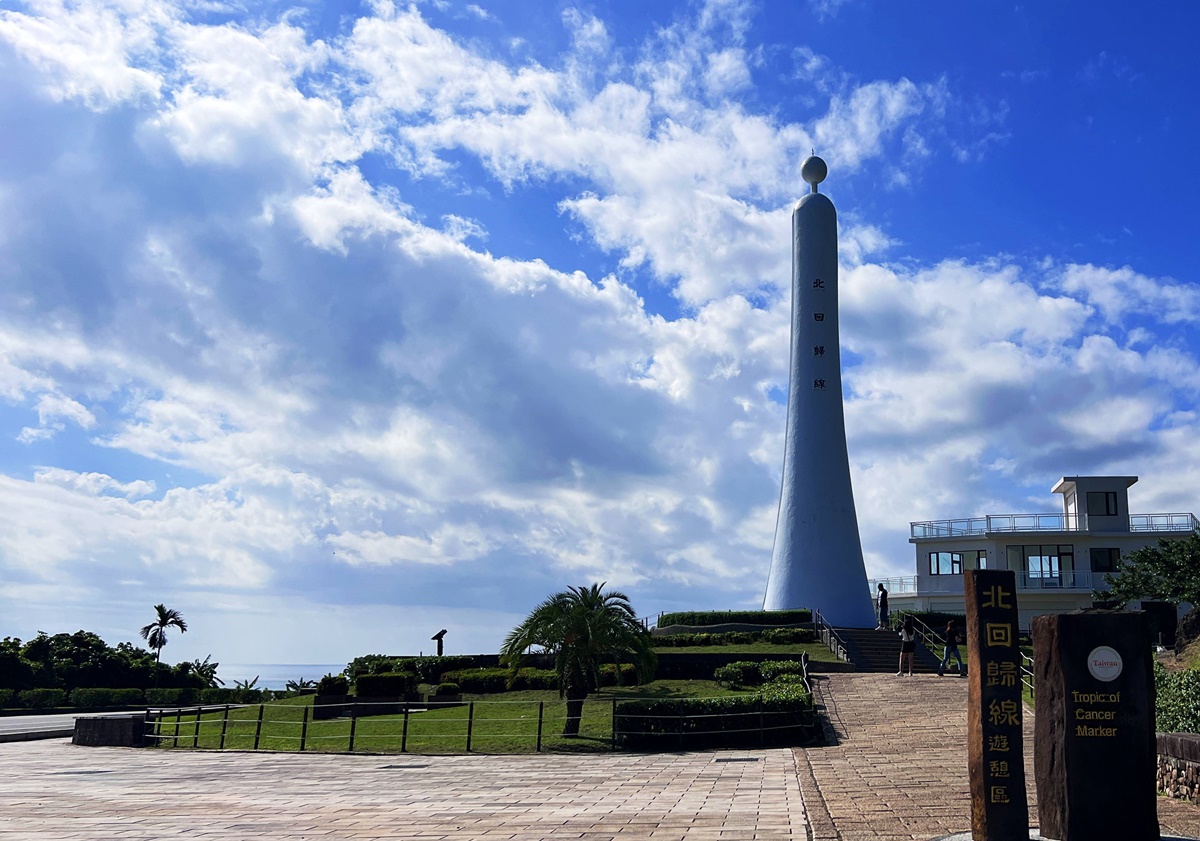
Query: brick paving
point(897, 770)
point(54, 790)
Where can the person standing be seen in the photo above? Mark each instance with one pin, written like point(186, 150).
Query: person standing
point(908, 644)
point(952, 641)
point(881, 602)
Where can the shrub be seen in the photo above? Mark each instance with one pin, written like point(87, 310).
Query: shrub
point(171, 697)
point(40, 699)
point(530, 678)
point(745, 617)
point(479, 680)
point(789, 636)
point(444, 689)
point(88, 697)
point(1177, 700)
point(628, 675)
point(774, 668)
point(741, 673)
point(6, 698)
point(389, 685)
point(333, 685)
point(781, 715)
point(430, 669)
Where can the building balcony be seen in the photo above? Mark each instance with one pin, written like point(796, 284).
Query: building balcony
point(1001, 523)
point(1069, 580)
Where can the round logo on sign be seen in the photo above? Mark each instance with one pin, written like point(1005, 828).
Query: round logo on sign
point(1104, 663)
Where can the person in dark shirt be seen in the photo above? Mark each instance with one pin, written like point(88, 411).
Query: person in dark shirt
point(952, 640)
point(881, 601)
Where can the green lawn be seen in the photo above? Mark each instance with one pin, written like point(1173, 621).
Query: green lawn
point(505, 723)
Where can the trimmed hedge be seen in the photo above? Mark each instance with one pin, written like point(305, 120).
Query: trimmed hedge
point(481, 681)
point(772, 669)
point(745, 617)
point(608, 675)
point(6, 697)
point(741, 673)
point(389, 685)
point(1177, 700)
point(171, 697)
point(38, 699)
point(780, 636)
point(444, 689)
point(430, 669)
point(89, 697)
point(782, 715)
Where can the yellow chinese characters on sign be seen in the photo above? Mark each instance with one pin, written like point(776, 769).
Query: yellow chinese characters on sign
point(999, 634)
point(1001, 673)
point(1002, 713)
point(997, 596)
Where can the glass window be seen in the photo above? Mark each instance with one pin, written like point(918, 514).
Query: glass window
point(945, 563)
point(1105, 560)
point(1101, 504)
point(1046, 562)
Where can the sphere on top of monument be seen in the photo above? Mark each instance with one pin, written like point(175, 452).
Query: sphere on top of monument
point(813, 170)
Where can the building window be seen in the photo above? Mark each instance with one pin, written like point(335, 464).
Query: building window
point(1045, 563)
point(945, 563)
point(1105, 560)
point(980, 556)
point(1101, 504)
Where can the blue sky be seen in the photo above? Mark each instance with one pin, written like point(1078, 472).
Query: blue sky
point(333, 325)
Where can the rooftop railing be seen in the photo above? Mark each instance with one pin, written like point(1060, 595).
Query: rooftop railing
point(940, 584)
point(978, 526)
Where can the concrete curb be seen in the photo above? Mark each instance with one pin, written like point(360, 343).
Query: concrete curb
point(31, 735)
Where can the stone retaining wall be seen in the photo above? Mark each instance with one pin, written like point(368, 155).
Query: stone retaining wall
point(1179, 766)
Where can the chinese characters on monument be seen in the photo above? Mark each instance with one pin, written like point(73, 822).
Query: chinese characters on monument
point(999, 810)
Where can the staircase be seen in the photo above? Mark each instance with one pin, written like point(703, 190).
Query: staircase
point(879, 651)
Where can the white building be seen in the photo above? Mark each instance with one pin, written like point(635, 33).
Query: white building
point(1059, 558)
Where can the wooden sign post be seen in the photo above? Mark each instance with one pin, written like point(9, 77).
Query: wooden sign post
point(995, 748)
point(1095, 757)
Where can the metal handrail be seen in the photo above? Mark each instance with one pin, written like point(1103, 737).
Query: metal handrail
point(829, 636)
point(1027, 672)
point(1051, 522)
point(929, 637)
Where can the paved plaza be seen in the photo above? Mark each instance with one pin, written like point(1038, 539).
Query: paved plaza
point(897, 770)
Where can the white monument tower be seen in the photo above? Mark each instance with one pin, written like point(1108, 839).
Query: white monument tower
point(817, 561)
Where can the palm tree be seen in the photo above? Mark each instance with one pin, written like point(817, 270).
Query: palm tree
point(207, 672)
point(155, 634)
point(584, 628)
point(246, 684)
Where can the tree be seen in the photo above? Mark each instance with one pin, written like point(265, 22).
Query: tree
point(1168, 572)
point(155, 634)
point(583, 628)
point(206, 671)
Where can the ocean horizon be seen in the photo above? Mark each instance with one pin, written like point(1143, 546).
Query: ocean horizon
point(276, 675)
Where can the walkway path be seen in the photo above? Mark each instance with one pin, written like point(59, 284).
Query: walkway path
point(53, 790)
point(899, 768)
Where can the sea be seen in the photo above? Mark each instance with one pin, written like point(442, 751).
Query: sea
point(276, 675)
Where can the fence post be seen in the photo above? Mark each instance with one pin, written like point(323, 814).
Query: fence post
point(196, 735)
point(404, 732)
point(178, 719)
point(681, 724)
point(761, 734)
point(304, 727)
point(258, 726)
point(613, 728)
point(470, 722)
point(353, 723)
point(541, 712)
point(224, 727)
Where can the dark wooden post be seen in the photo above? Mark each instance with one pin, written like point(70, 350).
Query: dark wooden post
point(178, 721)
point(224, 727)
point(303, 726)
point(762, 735)
point(353, 723)
point(995, 748)
point(613, 728)
point(404, 732)
point(541, 716)
point(470, 723)
point(196, 735)
point(258, 726)
point(1095, 757)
